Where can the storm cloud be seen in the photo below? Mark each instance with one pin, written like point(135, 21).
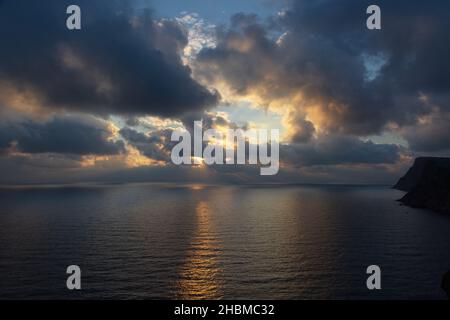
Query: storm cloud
point(122, 61)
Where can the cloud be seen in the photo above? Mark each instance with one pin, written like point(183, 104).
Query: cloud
point(45, 170)
point(200, 33)
point(68, 135)
point(337, 150)
point(123, 61)
point(334, 82)
point(429, 134)
point(301, 130)
point(319, 60)
point(155, 145)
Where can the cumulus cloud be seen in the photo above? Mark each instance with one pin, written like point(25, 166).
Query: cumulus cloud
point(328, 66)
point(122, 61)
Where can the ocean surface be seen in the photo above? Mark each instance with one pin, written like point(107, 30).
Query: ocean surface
point(149, 241)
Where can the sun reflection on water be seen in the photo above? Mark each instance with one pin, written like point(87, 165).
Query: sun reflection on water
point(200, 275)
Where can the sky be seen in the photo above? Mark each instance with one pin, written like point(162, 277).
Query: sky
point(100, 104)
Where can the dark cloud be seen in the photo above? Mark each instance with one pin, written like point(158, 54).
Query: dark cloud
point(303, 130)
point(432, 134)
point(132, 121)
point(337, 150)
point(121, 62)
point(155, 145)
point(360, 80)
point(64, 135)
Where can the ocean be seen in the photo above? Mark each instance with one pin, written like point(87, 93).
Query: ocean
point(163, 241)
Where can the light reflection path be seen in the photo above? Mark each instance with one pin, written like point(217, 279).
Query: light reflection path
point(199, 277)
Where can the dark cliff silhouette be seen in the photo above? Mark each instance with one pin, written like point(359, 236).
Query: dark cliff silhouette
point(428, 184)
point(445, 285)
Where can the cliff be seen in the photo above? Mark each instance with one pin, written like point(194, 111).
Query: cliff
point(445, 285)
point(428, 184)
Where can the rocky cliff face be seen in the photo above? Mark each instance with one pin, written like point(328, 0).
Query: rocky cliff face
point(428, 184)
